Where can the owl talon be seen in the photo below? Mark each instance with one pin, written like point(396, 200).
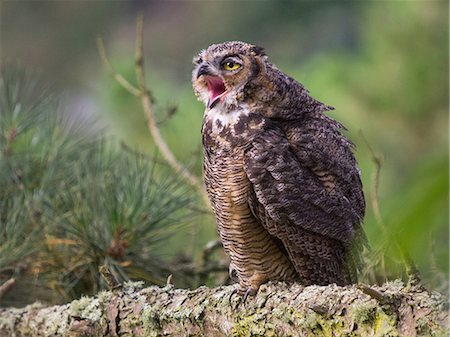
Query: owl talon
point(234, 291)
point(249, 292)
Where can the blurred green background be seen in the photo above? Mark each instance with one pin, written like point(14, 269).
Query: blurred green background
point(382, 64)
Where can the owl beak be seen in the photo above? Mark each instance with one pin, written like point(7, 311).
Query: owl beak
point(203, 70)
point(216, 89)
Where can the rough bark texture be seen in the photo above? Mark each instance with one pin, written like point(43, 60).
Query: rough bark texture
point(278, 310)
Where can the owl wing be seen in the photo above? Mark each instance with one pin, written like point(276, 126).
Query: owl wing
point(290, 181)
point(318, 144)
point(307, 193)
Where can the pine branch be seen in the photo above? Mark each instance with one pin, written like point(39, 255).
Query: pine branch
point(71, 201)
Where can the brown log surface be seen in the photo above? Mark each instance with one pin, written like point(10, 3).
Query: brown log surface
point(277, 310)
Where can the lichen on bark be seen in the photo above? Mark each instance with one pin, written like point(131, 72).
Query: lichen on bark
point(277, 310)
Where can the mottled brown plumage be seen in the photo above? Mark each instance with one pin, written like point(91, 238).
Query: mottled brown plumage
point(281, 177)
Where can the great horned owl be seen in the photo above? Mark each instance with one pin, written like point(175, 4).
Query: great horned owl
point(281, 177)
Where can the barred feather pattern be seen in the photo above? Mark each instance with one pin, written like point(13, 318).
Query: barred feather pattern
point(255, 255)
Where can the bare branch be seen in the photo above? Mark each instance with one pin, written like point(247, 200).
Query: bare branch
point(5, 287)
point(378, 160)
point(375, 294)
point(110, 279)
point(144, 93)
point(119, 78)
point(139, 52)
point(151, 121)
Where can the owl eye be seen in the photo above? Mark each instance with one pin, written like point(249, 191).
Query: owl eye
point(230, 65)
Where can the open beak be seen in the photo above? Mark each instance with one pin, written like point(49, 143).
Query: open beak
point(216, 89)
point(203, 70)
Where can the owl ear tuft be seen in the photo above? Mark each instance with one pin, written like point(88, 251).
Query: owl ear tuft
point(258, 51)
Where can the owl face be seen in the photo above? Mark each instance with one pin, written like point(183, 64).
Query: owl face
point(222, 71)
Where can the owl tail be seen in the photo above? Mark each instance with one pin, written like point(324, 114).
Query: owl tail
point(321, 261)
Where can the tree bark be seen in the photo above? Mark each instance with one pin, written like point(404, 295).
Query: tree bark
point(277, 310)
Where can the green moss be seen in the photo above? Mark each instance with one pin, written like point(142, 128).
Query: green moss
point(369, 319)
point(384, 325)
point(86, 307)
point(104, 296)
point(323, 328)
point(364, 313)
point(151, 322)
point(309, 321)
point(78, 306)
point(252, 325)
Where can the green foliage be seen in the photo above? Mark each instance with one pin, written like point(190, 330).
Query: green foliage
point(115, 210)
point(71, 200)
point(16, 232)
point(416, 222)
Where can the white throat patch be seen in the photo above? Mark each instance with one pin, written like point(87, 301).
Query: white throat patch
point(220, 117)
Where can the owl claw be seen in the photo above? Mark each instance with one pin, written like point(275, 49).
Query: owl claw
point(234, 291)
point(249, 292)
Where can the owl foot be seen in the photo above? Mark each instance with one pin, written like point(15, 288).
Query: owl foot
point(249, 292)
point(234, 291)
point(244, 293)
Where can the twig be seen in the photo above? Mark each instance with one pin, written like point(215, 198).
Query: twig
point(210, 247)
point(11, 135)
point(319, 309)
point(110, 279)
point(378, 160)
point(169, 281)
point(144, 93)
point(151, 122)
point(119, 78)
point(375, 294)
point(410, 267)
point(139, 53)
point(146, 100)
point(5, 287)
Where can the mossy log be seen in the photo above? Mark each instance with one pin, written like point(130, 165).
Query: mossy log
point(277, 310)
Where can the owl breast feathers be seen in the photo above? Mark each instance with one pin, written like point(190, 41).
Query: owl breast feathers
point(282, 179)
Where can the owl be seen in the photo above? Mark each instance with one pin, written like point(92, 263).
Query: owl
point(281, 177)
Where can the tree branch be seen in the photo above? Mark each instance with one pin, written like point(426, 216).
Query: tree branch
point(277, 310)
point(146, 100)
point(119, 78)
point(5, 287)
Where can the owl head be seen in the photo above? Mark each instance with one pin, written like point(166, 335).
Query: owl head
point(222, 71)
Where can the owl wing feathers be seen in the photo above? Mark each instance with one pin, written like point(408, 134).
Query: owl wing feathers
point(304, 194)
point(319, 145)
point(292, 193)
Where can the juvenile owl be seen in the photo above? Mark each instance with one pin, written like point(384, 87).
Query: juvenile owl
point(281, 177)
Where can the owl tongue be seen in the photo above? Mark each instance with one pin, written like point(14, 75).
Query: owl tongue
point(216, 90)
